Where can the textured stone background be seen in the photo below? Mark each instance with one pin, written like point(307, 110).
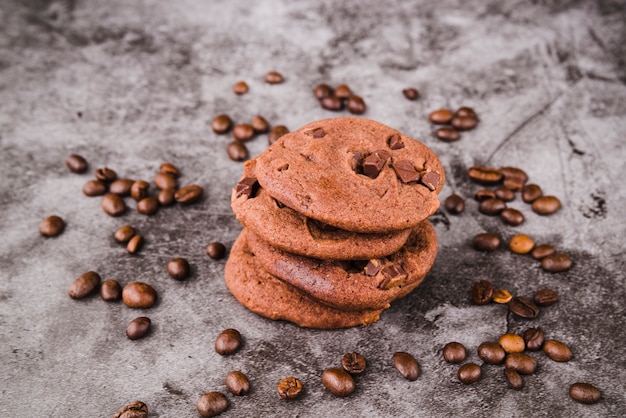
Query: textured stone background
point(133, 84)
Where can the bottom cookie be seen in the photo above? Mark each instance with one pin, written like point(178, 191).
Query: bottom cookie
point(272, 298)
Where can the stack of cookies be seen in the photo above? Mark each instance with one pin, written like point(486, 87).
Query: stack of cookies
point(335, 223)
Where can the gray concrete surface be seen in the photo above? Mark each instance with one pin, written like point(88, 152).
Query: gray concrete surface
point(132, 84)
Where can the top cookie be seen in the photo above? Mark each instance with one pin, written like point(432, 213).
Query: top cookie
point(354, 174)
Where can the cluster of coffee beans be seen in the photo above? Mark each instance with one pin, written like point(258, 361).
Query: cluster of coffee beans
point(464, 119)
point(271, 77)
point(339, 98)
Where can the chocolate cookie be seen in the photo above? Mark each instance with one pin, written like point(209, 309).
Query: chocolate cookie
point(288, 230)
point(353, 173)
point(272, 298)
point(369, 284)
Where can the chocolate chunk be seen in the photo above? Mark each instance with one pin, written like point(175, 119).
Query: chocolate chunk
point(430, 180)
point(316, 133)
point(395, 142)
point(356, 162)
point(373, 266)
point(392, 276)
point(405, 171)
point(247, 186)
point(374, 163)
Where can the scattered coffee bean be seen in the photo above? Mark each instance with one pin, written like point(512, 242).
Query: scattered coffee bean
point(178, 268)
point(464, 123)
point(135, 409)
point(521, 363)
point(354, 363)
point(188, 194)
point(121, 187)
point(84, 285)
point(228, 342)
point(221, 124)
point(523, 307)
point(139, 295)
point(260, 124)
point(148, 206)
point(542, 251)
point(338, 382)
point(484, 194)
point(406, 364)
point(557, 350)
point(94, 188)
point(512, 217)
point(166, 197)
point(491, 353)
point(356, 105)
point(110, 290)
point(333, 103)
point(521, 244)
point(534, 337)
point(134, 244)
point(237, 383)
point(240, 87)
point(469, 373)
point(76, 164)
point(51, 226)
point(243, 132)
point(274, 77)
point(556, 263)
point(546, 205)
point(491, 207)
point(486, 242)
point(484, 175)
point(513, 378)
point(514, 178)
point(411, 93)
point(505, 194)
point(501, 296)
point(216, 250)
point(440, 116)
point(482, 292)
point(289, 388)
point(237, 151)
point(124, 234)
point(211, 404)
point(276, 132)
point(164, 181)
point(322, 90)
point(454, 204)
point(113, 205)
point(531, 192)
point(105, 174)
point(139, 190)
point(512, 343)
point(465, 111)
point(546, 297)
point(343, 92)
point(585, 393)
point(169, 168)
point(447, 134)
point(138, 328)
point(454, 352)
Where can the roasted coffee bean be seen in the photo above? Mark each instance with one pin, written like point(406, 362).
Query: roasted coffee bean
point(557, 351)
point(542, 251)
point(447, 134)
point(211, 404)
point(105, 174)
point(546, 297)
point(523, 307)
point(514, 178)
point(124, 234)
point(289, 388)
point(138, 328)
point(228, 342)
point(164, 181)
point(221, 124)
point(482, 292)
point(469, 373)
point(240, 87)
point(84, 285)
point(356, 105)
point(440, 116)
point(237, 383)
point(556, 263)
point(491, 207)
point(521, 244)
point(411, 93)
point(274, 77)
point(512, 343)
point(584, 393)
point(484, 194)
point(501, 296)
point(121, 187)
point(76, 164)
point(94, 188)
point(406, 364)
point(243, 132)
point(333, 103)
point(454, 352)
point(454, 204)
point(110, 290)
point(178, 268)
point(343, 92)
point(484, 175)
point(276, 133)
point(546, 205)
point(169, 168)
point(531, 192)
point(139, 190)
point(486, 242)
point(188, 194)
point(166, 197)
point(113, 205)
point(521, 363)
point(338, 382)
point(513, 378)
point(148, 206)
point(465, 111)
point(135, 409)
point(51, 226)
point(216, 250)
point(534, 337)
point(491, 353)
point(512, 217)
point(505, 194)
point(134, 244)
point(139, 295)
point(260, 124)
point(322, 90)
point(464, 123)
point(237, 151)
point(354, 363)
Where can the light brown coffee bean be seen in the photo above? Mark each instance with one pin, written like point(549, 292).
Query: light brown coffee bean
point(76, 163)
point(105, 174)
point(124, 234)
point(557, 350)
point(164, 181)
point(521, 244)
point(556, 263)
point(274, 77)
point(356, 105)
point(135, 409)
point(406, 364)
point(342, 91)
point(139, 190)
point(491, 207)
point(469, 373)
point(546, 297)
point(166, 197)
point(240, 87)
point(237, 383)
point(138, 328)
point(139, 295)
point(148, 206)
point(121, 187)
point(134, 244)
point(178, 268)
point(512, 343)
point(94, 188)
point(482, 292)
point(546, 205)
point(513, 378)
point(514, 178)
point(491, 353)
point(260, 124)
point(512, 217)
point(169, 168)
point(110, 290)
point(411, 93)
point(521, 363)
point(221, 124)
point(585, 393)
point(228, 342)
point(188, 194)
point(440, 116)
point(276, 133)
point(237, 151)
point(541, 251)
point(486, 242)
point(113, 205)
point(243, 132)
point(523, 307)
point(454, 204)
point(289, 388)
point(454, 352)
point(84, 285)
point(211, 404)
point(447, 134)
point(502, 296)
point(534, 338)
point(484, 175)
point(531, 192)
point(322, 90)
point(354, 363)
point(338, 382)
point(51, 226)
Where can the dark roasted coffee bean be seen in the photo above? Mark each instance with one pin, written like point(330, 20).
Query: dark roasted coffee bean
point(240, 87)
point(228, 342)
point(237, 383)
point(135, 409)
point(531, 192)
point(406, 364)
point(514, 178)
point(534, 337)
point(169, 168)
point(134, 244)
point(521, 244)
point(121, 187)
point(84, 285)
point(211, 404)
point(166, 197)
point(113, 205)
point(491, 353)
point(110, 290)
point(411, 93)
point(274, 77)
point(501, 296)
point(164, 181)
point(139, 295)
point(484, 194)
point(139, 190)
point(243, 132)
point(542, 251)
point(124, 234)
point(276, 133)
point(343, 92)
point(289, 388)
point(454, 352)
point(512, 343)
point(546, 205)
point(491, 207)
point(178, 268)
point(521, 363)
point(513, 378)
point(148, 206)
point(523, 307)
point(260, 124)
point(512, 217)
point(94, 188)
point(237, 151)
point(484, 175)
point(354, 363)
point(338, 382)
point(454, 204)
point(322, 90)
point(557, 351)
point(221, 124)
point(464, 123)
point(105, 174)
point(188, 194)
point(216, 250)
point(356, 105)
point(440, 116)
point(466, 112)
point(556, 263)
point(505, 194)
point(482, 292)
point(469, 373)
point(51, 226)
point(546, 297)
point(138, 328)
point(76, 164)
point(333, 103)
point(447, 134)
point(486, 242)
point(584, 393)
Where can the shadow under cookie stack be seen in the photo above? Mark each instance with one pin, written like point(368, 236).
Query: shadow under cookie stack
point(335, 223)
